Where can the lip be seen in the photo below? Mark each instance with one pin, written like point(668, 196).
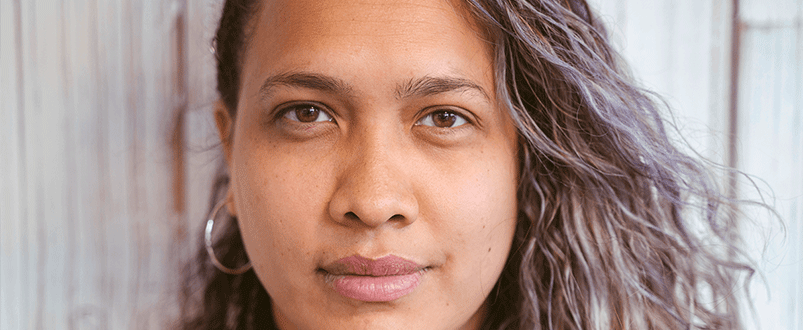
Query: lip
point(374, 280)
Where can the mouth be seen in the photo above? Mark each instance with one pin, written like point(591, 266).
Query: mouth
point(373, 280)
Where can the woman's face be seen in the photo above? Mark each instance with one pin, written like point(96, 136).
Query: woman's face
point(373, 172)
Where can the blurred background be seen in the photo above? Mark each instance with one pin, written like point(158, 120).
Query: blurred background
point(107, 144)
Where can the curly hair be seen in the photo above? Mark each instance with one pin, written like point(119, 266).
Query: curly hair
point(617, 228)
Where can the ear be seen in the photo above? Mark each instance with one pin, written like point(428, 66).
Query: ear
point(225, 130)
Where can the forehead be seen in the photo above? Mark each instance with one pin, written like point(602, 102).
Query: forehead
point(386, 20)
point(327, 33)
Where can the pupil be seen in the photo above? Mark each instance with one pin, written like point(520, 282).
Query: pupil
point(307, 114)
point(444, 119)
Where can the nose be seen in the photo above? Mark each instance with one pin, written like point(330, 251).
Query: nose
point(373, 187)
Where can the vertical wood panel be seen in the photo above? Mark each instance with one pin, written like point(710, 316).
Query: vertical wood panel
point(88, 224)
point(672, 50)
point(121, 231)
point(88, 305)
point(30, 256)
point(12, 168)
point(45, 148)
point(797, 227)
point(721, 63)
point(73, 195)
point(153, 211)
point(203, 153)
point(771, 148)
point(681, 49)
point(648, 43)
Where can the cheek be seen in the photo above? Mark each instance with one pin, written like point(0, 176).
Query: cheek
point(478, 193)
point(476, 212)
point(281, 200)
point(477, 208)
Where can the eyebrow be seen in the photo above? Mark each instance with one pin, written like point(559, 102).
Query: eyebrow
point(305, 80)
point(417, 87)
point(428, 86)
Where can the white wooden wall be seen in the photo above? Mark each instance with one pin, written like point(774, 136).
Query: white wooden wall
point(770, 140)
point(101, 200)
point(732, 70)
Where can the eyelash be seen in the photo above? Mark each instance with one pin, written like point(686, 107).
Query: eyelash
point(289, 110)
point(323, 110)
point(458, 117)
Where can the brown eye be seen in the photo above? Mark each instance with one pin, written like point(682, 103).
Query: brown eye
point(442, 119)
point(307, 113)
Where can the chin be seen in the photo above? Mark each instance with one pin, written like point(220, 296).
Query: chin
point(356, 315)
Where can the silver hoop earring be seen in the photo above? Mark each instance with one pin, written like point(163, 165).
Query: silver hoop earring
point(208, 240)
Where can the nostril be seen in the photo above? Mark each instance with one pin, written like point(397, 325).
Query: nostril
point(351, 216)
point(397, 217)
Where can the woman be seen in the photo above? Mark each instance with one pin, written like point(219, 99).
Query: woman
point(433, 164)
